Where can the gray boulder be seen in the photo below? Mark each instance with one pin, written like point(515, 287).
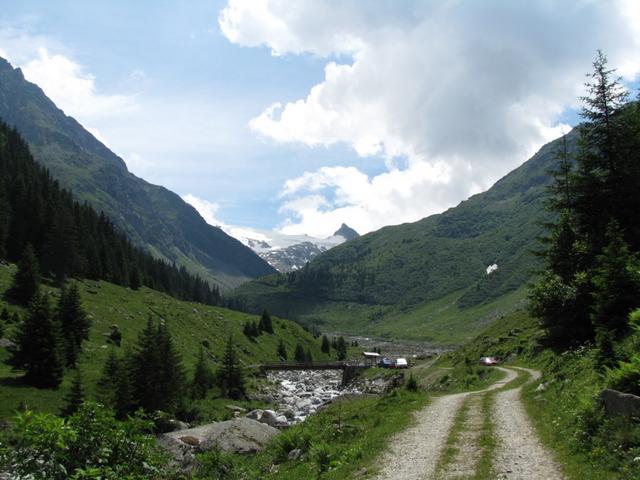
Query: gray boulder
point(240, 435)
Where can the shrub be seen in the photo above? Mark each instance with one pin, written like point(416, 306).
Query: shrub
point(626, 376)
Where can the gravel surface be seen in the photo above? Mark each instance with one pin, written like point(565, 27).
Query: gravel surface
point(413, 454)
point(520, 454)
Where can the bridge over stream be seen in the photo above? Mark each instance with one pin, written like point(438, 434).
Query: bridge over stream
point(349, 369)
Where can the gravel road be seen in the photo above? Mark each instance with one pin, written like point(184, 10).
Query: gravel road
point(413, 453)
point(520, 454)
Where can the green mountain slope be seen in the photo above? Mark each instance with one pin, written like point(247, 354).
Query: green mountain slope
point(373, 283)
point(191, 325)
point(152, 216)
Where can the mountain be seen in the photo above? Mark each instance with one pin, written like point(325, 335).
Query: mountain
point(403, 280)
point(346, 232)
point(152, 216)
point(287, 253)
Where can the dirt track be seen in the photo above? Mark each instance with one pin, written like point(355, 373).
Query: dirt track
point(414, 453)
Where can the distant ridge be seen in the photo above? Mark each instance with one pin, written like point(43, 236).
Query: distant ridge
point(346, 232)
point(152, 216)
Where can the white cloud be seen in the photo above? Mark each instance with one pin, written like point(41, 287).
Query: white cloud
point(208, 210)
point(459, 92)
point(73, 89)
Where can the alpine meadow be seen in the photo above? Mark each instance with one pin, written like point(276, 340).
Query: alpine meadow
point(338, 240)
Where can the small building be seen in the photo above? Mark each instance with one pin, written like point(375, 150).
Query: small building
point(402, 363)
point(371, 358)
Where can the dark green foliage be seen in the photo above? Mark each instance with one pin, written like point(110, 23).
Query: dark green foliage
point(230, 376)
point(156, 371)
point(27, 279)
point(308, 357)
point(616, 283)
point(114, 388)
point(282, 350)
point(38, 346)
point(341, 349)
point(72, 240)
point(90, 444)
point(592, 281)
point(325, 347)
point(266, 324)
point(4, 315)
point(74, 323)
point(203, 378)
point(251, 329)
point(412, 384)
point(299, 355)
point(75, 398)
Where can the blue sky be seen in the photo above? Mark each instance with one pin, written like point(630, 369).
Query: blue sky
point(386, 113)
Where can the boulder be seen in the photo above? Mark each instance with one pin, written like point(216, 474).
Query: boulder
point(269, 417)
point(240, 435)
point(255, 414)
point(294, 454)
point(618, 403)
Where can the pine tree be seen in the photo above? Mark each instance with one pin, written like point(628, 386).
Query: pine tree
point(37, 350)
point(202, 377)
point(114, 385)
point(26, 280)
point(282, 350)
point(74, 398)
point(265, 325)
point(299, 354)
point(171, 371)
point(325, 348)
point(230, 377)
point(341, 349)
point(74, 322)
point(616, 283)
point(144, 368)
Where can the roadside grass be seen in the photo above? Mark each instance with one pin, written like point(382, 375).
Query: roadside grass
point(464, 377)
point(192, 326)
point(340, 442)
point(487, 441)
point(451, 448)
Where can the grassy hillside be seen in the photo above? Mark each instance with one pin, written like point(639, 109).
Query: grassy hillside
point(152, 216)
point(400, 271)
point(190, 324)
point(564, 404)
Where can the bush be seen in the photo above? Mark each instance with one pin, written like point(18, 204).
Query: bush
point(626, 376)
point(412, 384)
point(91, 444)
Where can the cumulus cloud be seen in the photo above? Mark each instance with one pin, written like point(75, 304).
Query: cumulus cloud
point(452, 95)
point(73, 89)
point(207, 210)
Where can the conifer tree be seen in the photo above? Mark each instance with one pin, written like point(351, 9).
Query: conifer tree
point(202, 377)
point(144, 367)
point(38, 348)
point(616, 283)
point(114, 388)
point(265, 325)
point(341, 349)
point(299, 354)
point(74, 323)
point(171, 371)
point(74, 398)
point(325, 347)
point(282, 350)
point(26, 279)
point(230, 377)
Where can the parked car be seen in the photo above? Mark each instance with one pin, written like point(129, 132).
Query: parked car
point(385, 363)
point(488, 361)
point(402, 363)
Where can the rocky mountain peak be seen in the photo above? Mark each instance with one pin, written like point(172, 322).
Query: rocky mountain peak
point(347, 232)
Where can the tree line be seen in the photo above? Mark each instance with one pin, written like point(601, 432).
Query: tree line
point(69, 239)
point(592, 278)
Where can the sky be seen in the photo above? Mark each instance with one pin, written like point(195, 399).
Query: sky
point(301, 115)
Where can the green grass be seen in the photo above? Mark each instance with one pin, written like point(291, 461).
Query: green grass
point(342, 441)
point(190, 324)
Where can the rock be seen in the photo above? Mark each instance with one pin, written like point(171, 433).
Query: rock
point(236, 408)
point(6, 343)
point(269, 417)
point(240, 435)
point(618, 403)
point(289, 414)
point(541, 388)
point(294, 454)
point(255, 414)
point(165, 425)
